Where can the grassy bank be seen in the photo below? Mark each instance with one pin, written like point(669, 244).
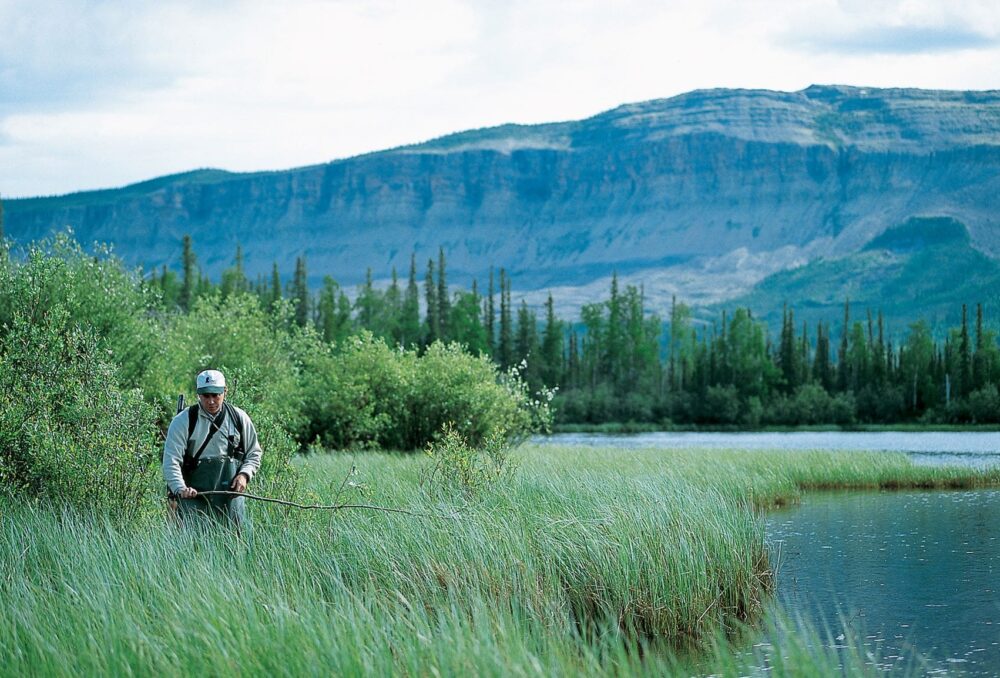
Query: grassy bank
point(588, 561)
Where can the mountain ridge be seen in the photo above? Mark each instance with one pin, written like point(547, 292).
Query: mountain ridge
point(668, 188)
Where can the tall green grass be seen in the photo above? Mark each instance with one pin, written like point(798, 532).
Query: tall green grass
point(588, 561)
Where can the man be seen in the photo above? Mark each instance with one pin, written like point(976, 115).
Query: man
point(210, 446)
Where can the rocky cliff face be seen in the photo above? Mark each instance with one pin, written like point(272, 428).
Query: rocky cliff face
point(664, 190)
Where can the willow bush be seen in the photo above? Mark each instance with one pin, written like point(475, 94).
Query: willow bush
point(365, 394)
point(69, 431)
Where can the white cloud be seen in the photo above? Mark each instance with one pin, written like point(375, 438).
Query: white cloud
point(96, 93)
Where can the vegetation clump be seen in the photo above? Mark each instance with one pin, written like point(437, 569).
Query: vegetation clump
point(586, 561)
point(70, 431)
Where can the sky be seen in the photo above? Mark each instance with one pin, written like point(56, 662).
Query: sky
point(97, 94)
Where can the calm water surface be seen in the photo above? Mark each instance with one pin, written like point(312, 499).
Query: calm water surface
point(975, 449)
point(913, 574)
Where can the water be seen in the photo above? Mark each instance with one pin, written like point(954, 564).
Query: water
point(913, 575)
point(964, 448)
point(907, 572)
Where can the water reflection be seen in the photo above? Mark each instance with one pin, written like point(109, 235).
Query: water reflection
point(907, 569)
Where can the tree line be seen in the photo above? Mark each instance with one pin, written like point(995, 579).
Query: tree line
point(620, 363)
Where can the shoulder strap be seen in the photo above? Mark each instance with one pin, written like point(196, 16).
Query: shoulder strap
point(238, 420)
point(216, 425)
point(192, 419)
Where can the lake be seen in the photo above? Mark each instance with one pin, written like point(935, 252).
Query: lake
point(963, 448)
point(915, 575)
point(910, 572)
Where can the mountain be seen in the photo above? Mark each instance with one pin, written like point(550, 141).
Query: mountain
point(702, 195)
point(925, 267)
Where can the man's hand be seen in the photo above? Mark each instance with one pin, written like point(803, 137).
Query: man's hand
point(239, 483)
point(188, 493)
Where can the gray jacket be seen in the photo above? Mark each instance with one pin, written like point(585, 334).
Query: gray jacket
point(177, 441)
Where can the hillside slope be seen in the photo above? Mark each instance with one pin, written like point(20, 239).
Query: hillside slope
point(924, 267)
point(669, 192)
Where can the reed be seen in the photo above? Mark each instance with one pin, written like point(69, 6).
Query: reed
point(587, 561)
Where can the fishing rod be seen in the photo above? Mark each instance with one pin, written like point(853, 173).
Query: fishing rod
point(327, 507)
point(322, 507)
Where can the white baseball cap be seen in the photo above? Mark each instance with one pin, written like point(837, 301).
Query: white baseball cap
point(211, 381)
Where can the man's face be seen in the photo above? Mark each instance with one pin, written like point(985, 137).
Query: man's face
point(212, 402)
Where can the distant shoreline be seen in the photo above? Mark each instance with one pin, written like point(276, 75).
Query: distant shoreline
point(620, 428)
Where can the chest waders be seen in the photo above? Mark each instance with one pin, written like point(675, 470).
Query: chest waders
point(214, 473)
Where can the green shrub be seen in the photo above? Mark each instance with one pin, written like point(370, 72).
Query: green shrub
point(277, 476)
point(358, 396)
point(468, 392)
point(68, 431)
point(984, 405)
point(369, 395)
point(234, 335)
point(458, 467)
point(95, 291)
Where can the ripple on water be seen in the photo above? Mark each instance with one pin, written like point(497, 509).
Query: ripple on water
point(912, 572)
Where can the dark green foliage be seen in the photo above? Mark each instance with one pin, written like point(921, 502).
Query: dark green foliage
point(367, 394)
point(526, 346)
point(234, 280)
point(95, 291)
point(333, 312)
point(465, 325)
point(409, 321)
point(552, 347)
point(275, 296)
point(505, 341)
point(432, 323)
point(300, 293)
point(443, 300)
point(189, 282)
point(70, 430)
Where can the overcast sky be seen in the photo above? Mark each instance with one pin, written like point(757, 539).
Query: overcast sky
point(99, 94)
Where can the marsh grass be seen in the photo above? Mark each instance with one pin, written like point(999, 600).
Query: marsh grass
point(587, 561)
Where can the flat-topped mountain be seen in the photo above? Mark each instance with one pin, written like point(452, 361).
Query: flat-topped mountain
point(702, 195)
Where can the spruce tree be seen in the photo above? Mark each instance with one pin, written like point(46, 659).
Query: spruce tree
point(506, 343)
point(190, 282)
point(787, 351)
point(392, 309)
point(275, 285)
point(526, 347)
point(234, 279)
point(552, 346)
point(465, 321)
point(365, 304)
point(489, 316)
point(843, 377)
point(433, 322)
point(964, 386)
point(572, 362)
point(614, 357)
point(821, 360)
point(444, 303)
point(979, 357)
point(803, 375)
point(409, 323)
point(333, 312)
point(300, 292)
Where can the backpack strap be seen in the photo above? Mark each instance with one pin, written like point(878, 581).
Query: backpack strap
point(192, 462)
point(240, 451)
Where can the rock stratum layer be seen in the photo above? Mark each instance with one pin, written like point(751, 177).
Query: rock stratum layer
point(701, 194)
